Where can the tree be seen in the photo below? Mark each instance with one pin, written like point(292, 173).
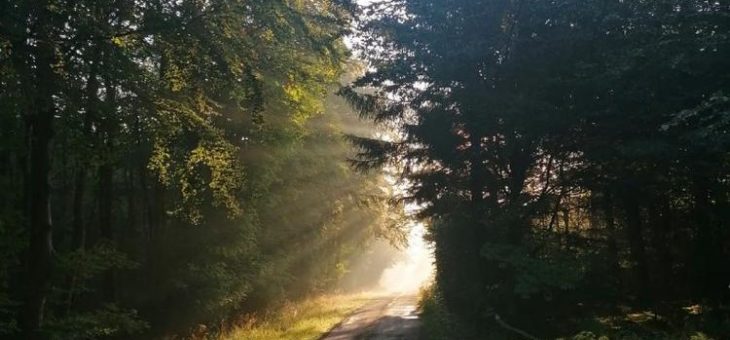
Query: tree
point(536, 135)
point(158, 136)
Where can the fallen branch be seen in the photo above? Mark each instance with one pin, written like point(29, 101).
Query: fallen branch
point(512, 328)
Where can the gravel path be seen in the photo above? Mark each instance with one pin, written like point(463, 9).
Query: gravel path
point(384, 318)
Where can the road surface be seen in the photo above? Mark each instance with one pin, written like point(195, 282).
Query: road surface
point(384, 318)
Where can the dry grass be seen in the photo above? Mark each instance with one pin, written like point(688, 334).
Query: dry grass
point(308, 319)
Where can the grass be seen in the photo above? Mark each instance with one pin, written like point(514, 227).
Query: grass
point(308, 319)
point(437, 322)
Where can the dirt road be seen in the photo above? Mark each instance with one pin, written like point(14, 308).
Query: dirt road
point(385, 318)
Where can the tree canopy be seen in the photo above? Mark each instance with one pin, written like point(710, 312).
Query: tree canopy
point(165, 164)
point(571, 156)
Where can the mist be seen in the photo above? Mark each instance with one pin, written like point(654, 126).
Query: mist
point(415, 267)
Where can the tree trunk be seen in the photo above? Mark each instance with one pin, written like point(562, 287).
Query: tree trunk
point(708, 252)
point(91, 112)
point(105, 224)
point(636, 244)
point(78, 240)
point(519, 163)
point(106, 186)
point(131, 226)
point(662, 220)
point(40, 132)
point(612, 235)
point(105, 202)
point(476, 184)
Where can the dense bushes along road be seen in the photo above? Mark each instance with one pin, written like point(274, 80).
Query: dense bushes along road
point(168, 164)
point(572, 156)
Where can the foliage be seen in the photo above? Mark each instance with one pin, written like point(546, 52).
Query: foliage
point(168, 164)
point(109, 320)
point(588, 336)
point(535, 276)
point(437, 322)
point(571, 156)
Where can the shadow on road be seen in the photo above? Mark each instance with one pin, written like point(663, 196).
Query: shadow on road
point(386, 318)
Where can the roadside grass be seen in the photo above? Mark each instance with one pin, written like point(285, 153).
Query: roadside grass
point(437, 323)
point(305, 320)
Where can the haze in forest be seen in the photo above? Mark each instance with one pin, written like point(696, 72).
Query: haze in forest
point(462, 169)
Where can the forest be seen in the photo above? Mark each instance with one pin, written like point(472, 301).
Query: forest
point(167, 165)
point(572, 159)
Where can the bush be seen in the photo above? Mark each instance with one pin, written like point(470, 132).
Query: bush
point(438, 323)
